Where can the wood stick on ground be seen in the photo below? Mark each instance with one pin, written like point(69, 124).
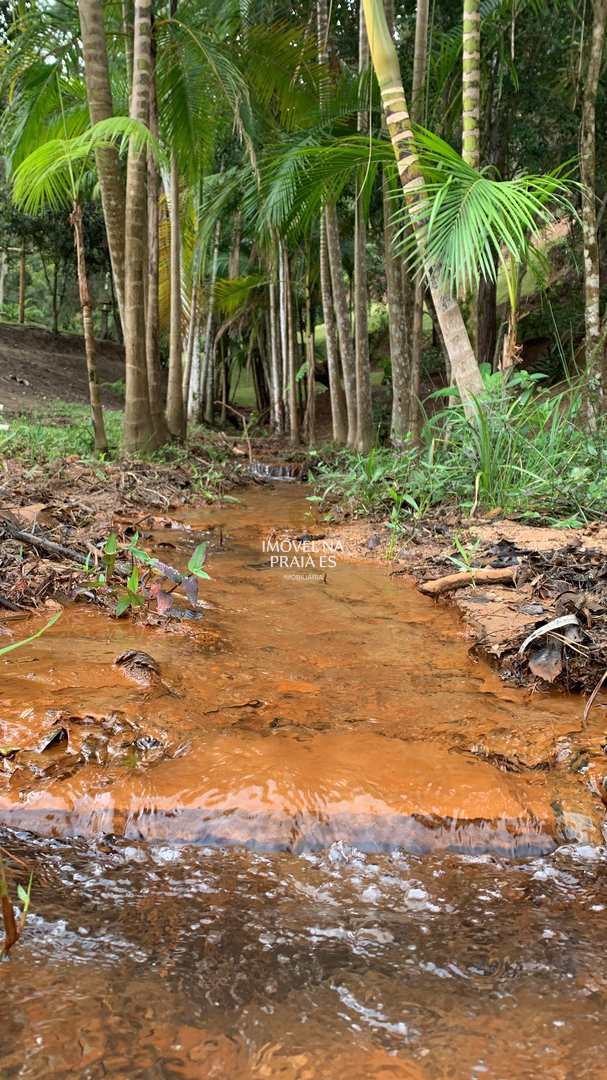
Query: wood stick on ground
point(41, 542)
point(591, 699)
point(9, 605)
point(485, 575)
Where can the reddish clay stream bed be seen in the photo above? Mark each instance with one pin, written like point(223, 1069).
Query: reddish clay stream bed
point(296, 855)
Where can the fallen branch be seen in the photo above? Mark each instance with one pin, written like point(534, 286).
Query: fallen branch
point(9, 605)
point(51, 548)
point(41, 543)
point(483, 575)
point(592, 698)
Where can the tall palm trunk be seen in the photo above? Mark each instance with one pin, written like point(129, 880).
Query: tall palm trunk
point(99, 96)
point(275, 350)
point(87, 327)
point(152, 326)
point(294, 426)
point(461, 356)
point(471, 83)
point(175, 412)
point(414, 287)
point(397, 307)
point(364, 409)
point(207, 381)
point(336, 392)
point(588, 174)
point(190, 349)
point(342, 318)
point(284, 333)
point(471, 121)
point(138, 428)
point(310, 361)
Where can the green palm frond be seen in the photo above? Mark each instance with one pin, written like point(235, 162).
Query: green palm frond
point(468, 218)
point(295, 184)
point(233, 294)
point(50, 177)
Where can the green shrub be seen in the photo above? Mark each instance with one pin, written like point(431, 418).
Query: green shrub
point(525, 451)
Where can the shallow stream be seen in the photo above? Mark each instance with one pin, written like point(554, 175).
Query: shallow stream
point(325, 843)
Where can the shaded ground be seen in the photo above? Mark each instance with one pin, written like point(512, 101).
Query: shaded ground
point(37, 367)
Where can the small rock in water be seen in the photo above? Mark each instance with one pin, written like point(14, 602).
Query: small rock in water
point(138, 666)
point(578, 828)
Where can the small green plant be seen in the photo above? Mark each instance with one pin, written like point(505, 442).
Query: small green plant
point(136, 579)
point(133, 597)
point(27, 641)
point(466, 552)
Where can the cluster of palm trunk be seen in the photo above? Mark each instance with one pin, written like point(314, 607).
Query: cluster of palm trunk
point(142, 205)
point(131, 209)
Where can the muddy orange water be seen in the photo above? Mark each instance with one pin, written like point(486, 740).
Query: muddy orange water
point(294, 854)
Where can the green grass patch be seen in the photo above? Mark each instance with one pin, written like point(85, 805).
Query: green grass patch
point(524, 451)
point(59, 431)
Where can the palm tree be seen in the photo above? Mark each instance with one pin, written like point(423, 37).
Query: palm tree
point(592, 315)
point(99, 95)
point(464, 367)
point(336, 391)
point(175, 412)
point(364, 411)
point(53, 176)
point(415, 288)
point(139, 432)
point(471, 83)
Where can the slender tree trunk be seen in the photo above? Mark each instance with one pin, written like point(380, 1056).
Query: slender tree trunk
point(207, 379)
point(471, 121)
point(397, 325)
point(152, 328)
point(471, 83)
point(415, 286)
point(364, 405)
point(420, 59)
point(55, 298)
point(311, 362)
point(284, 333)
point(486, 337)
point(22, 284)
point(193, 333)
point(463, 363)
point(89, 335)
point(138, 429)
point(592, 315)
point(397, 307)
point(3, 272)
point(275, 363)
point(126, 12)
point(99, 96)
point(294, 426)
point(342, 318)
point(175, 412)
point(336, 390)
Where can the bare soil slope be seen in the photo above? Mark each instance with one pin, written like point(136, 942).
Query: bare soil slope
point(37, 367)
